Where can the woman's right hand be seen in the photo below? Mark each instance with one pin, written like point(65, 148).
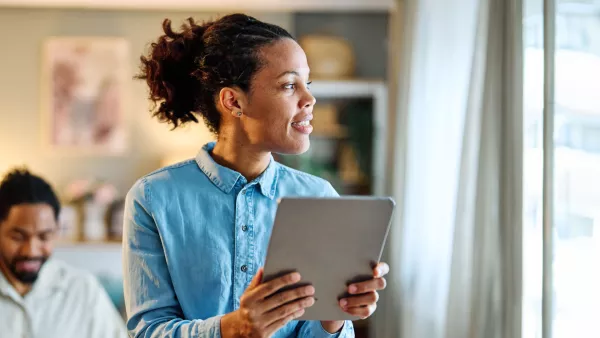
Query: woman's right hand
point(262, 312)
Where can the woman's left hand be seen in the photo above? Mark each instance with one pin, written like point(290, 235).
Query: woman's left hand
point(363, 300)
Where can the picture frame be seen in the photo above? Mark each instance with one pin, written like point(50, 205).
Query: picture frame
point(85, 95)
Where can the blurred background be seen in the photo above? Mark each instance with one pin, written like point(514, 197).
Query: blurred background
point(395, 82)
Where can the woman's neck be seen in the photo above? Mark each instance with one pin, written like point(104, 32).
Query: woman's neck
point(242, 158)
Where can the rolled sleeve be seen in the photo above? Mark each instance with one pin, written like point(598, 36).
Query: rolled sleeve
point(314, 329)
point(151, 303)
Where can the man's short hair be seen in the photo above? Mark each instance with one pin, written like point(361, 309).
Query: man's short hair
point(19, 186)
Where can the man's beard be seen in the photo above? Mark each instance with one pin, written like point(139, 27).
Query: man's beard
point(26, 277)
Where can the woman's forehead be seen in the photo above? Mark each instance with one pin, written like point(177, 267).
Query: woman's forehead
point(284, 57)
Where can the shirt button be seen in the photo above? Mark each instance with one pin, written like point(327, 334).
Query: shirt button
point(244, 228)
point(244, 268)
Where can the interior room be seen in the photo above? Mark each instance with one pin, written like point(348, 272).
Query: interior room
point(480, 118)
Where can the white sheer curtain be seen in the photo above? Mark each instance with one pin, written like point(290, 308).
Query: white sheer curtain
point(456, 251)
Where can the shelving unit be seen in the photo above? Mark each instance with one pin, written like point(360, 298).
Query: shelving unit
point(347, 92)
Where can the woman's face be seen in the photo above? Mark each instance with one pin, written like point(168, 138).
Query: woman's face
point(278, 109)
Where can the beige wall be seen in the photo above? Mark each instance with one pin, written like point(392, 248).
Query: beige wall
point(22, 32)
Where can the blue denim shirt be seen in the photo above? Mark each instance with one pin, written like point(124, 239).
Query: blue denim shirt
point(195, 234)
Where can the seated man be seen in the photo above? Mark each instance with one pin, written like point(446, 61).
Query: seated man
point(40, 296)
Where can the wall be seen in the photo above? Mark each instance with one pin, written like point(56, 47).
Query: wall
point(22, 32)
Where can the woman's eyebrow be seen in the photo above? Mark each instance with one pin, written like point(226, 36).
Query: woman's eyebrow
point(289, 72)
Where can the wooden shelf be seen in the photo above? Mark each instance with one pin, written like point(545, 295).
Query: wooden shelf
point(89, 246)
point(215, 5)
point(359, 89)
point(347, 88)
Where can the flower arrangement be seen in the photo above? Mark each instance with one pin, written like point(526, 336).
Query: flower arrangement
point(93, 202)
point(94, 191)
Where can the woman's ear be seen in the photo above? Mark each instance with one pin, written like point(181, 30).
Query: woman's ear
point(232, 100)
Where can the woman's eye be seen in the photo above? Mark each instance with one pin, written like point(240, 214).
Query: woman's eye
point(292, 86)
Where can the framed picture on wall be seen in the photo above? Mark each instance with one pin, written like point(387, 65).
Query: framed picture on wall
point(85, 83)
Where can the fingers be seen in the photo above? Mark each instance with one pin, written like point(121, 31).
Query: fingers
point(249, 295)
point(257, 279)
point(362, 312)
point(287, 310)
point(278, 324)
point(359, 301)
point(381, 269)
point(265, 290)
point(282, 298)
point(368, 286)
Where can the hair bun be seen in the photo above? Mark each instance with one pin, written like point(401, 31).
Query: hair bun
point(168, 70)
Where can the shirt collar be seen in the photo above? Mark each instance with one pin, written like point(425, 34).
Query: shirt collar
point(51, 279)
point(268, 179)
point(6, 288)
point(225, 178)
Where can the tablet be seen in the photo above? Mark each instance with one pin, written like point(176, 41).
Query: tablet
point(331, 242)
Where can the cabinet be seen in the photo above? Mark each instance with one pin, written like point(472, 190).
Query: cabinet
point(348, 144)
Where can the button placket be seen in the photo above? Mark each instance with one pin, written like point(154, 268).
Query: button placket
point(241, 246)
point(250, 233)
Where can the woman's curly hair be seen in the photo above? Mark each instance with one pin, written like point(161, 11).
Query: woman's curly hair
point(185, 70)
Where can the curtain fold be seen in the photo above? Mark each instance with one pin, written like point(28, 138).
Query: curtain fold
point(456, 248)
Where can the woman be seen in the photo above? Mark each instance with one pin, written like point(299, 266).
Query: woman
point(196, 232)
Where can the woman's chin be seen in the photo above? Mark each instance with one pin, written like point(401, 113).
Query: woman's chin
point(295, 148)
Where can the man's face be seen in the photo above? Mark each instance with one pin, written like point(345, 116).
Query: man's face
point(26, 241)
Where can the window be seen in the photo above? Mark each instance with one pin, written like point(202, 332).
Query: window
point(576, 259)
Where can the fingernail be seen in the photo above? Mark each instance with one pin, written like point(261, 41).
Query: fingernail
point(352, 288)
point(379, 272)
point(296, 277)
point(343, 303)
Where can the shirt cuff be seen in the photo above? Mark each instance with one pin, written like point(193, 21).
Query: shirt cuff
point(210, 328)
point(318, 331)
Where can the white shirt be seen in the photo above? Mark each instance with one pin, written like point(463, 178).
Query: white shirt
point(64, 302)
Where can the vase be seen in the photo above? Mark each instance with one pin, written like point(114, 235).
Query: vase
point(329, 57)
point(93, 222)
